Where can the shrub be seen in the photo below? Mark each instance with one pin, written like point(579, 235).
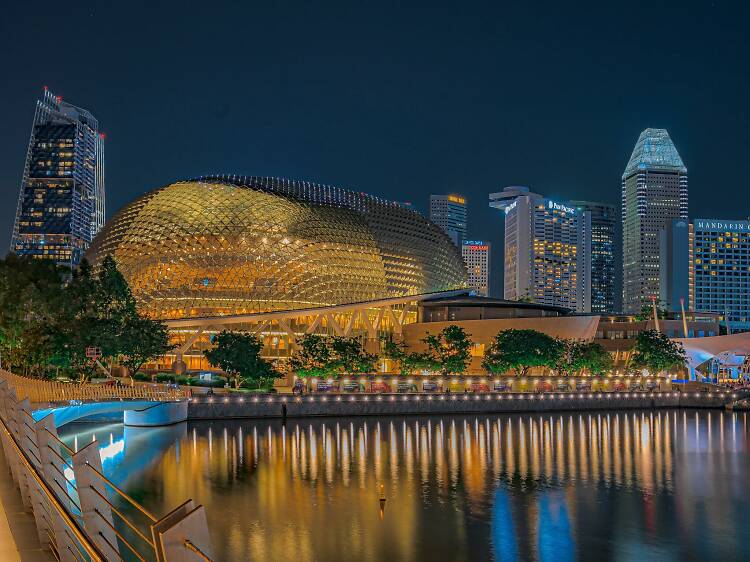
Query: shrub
point(142, 377)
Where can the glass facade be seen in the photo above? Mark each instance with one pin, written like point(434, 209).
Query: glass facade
point(721, 269)
point(449, 213)
point(654, 192)
point(61, 200)
point(225, 245)
point(603, 240)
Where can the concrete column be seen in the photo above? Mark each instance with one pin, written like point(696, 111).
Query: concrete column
point(96, 512)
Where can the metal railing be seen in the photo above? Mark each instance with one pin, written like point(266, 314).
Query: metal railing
point(80, 514)
point(41, 391)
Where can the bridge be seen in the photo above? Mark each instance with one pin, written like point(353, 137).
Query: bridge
point(80, 514)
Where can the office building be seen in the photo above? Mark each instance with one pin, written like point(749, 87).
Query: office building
point(476, 254)
point(654, 192)
point(449, 213)
point(61, 200)
point(721, 276)
point(674, 266)
point(603, 251)
point(547, 250)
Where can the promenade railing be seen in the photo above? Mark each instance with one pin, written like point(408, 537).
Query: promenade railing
point(80, 513)
point(40, 391)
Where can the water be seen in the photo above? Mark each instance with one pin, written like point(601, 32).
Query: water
point(668, 485)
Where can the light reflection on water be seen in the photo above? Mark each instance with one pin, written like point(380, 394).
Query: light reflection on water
point(628, 485)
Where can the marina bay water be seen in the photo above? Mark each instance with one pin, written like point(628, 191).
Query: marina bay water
point(635, 485)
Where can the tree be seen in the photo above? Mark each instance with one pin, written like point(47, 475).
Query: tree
point(238, 354)
point(312, 358)
point(656, 352)
point(349, 356)
point(408, 361)
point(450, 350)
point(588, 356)
point(521, 350)
point(647, 312)
point(142, 339)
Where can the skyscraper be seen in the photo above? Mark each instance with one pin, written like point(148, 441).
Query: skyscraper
point(476, 254)
point(547, 249)
point(61, 200)
point(674, 265)
point(449, 213)
point(721, 269)
point(654, 191)
point(603, 241)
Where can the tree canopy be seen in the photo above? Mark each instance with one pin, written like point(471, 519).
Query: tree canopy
point(656, 352)
point(50, 315)
point(327, 356)
point(584, 356)
point(238, 354)
point(449, 351)
point(521, 350)
point(408, 362)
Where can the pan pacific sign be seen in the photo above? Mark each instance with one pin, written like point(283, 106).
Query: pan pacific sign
point(722, 225)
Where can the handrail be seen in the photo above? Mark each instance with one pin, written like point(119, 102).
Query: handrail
point(132, 502)
point(70, 523)
point(123, 518)
point(190, 546)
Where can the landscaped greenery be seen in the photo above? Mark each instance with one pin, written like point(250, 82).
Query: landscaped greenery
point(48, 318)
point(449, 350)
point(330, 356)
point(656, 352)
point(520, 350)
point(238, 354)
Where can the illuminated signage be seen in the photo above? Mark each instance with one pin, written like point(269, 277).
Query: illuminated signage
point(473, 242)
point(559, 207)
point(456, 199)
point(510, 207)
point(733, 226)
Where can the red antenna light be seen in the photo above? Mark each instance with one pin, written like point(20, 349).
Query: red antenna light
point(103, 135)
point(45, 88)
point(58, 98)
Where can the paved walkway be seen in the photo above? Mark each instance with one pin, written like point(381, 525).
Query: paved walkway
point(18, 537)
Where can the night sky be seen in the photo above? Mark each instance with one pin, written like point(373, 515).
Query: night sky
point(395, 101)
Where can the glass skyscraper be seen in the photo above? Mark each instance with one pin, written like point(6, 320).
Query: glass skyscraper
point(61, 200)
point(721, 269)
point(654, 192)
point(449, 213)
point(603, 241)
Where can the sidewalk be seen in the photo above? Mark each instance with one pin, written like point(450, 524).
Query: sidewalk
point(18, 537)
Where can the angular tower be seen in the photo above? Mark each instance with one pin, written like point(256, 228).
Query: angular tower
point(61, 200)
point(654, 192)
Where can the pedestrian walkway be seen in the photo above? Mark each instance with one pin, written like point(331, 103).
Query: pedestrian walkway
point(18, 537)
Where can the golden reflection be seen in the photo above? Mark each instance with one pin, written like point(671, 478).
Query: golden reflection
point(308, 489)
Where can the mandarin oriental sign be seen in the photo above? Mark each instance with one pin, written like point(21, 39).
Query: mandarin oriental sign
point(729, 226)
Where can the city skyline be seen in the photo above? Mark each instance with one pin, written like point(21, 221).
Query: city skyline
point(373, 125)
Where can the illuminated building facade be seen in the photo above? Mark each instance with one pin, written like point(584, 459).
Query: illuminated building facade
point(277, 257)
point(547, 250)
point(603, 241)
point(476, 255)
point(61, 202)
point(721, 269)
point(654, 192)
point(449, 213)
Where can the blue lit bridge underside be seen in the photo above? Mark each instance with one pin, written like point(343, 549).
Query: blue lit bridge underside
point(139, 413)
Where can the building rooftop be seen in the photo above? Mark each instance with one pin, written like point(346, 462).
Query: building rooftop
point(654, 151)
